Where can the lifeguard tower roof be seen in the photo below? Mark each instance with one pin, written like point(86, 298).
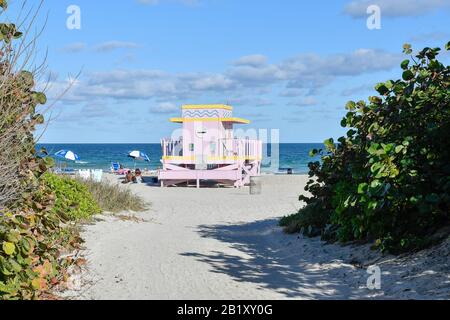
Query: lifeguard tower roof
point(208, 113)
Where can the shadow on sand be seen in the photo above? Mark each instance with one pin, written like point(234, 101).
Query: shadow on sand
point(293, 267)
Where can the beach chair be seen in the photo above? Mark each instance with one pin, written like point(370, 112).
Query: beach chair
point(115, 167)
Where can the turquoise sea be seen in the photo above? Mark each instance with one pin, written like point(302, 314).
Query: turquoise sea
point(100, 156)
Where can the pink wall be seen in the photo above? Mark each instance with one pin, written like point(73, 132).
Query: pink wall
point(204, 136)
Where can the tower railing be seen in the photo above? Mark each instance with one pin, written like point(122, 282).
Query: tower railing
point(225, 150)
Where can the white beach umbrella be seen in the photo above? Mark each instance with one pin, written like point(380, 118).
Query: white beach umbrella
point(139, 155)
point(67, 155)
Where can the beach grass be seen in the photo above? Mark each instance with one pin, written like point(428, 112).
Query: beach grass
point(112, 198)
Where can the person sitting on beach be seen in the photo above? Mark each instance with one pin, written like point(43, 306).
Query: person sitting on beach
point(128, 177)
point(138, 176)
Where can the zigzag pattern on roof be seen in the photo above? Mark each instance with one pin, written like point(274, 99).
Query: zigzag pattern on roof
point(201, 114)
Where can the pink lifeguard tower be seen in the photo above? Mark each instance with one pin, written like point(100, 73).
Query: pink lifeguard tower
point(206, 149)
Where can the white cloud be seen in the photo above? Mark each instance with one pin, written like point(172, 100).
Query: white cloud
point(74, 47)
point(164, 108)
point(249, 101)
point(305, 102)
point(257, 75)
point(310, 71)
point(103, 47)
point(358, 90)
point(302, 75)
point(114, 45)
point(96, 110)
point(431, 36)
point(121, 76)
point(397, 8)
point(292, 92)
point(358, 62)
point(211, 82)
point(255, 60)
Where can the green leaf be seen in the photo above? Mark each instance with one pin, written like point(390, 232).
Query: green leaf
point(351, 105)
point(447, 46)
point(313, 153)
point(330, 144)
point(9, 248)
point(40, 97)
point(372, 205)
point(408, 75)
point(13, 236)
point(49, 162)
point(27, 78)
point(375, 184)
point(375, 100)
point(376, 167)
point(373, 149)
point(399, 149)
point(389, 84)
point(362, 188)
point(14, 265)
point(388, 148)
point(381, 88)
point(405, 64)
point(39, 118)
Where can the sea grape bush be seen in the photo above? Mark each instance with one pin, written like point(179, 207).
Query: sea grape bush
point(73, 201)
point(33, 240)
point(388, 179)
point(18, 117)
point(33, 230)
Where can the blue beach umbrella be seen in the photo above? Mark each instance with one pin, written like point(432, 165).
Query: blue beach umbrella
point(138, 155)
point(67, 155)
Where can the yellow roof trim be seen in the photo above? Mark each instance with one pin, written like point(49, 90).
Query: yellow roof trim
point(206, 107)
point(235, 120)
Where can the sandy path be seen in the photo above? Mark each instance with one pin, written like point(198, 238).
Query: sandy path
point(225, 244)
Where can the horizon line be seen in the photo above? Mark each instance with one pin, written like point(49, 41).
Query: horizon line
point(91, 143)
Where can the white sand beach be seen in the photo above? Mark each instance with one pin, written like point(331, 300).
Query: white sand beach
point(225, 244)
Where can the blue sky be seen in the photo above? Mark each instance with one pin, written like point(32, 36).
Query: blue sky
point(288, 65)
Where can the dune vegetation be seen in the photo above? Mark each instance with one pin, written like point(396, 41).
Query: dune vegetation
point(388, 180)
point(39, 211)
point(113, 198)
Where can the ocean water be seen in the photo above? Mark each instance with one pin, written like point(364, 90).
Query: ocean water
point(100, 156)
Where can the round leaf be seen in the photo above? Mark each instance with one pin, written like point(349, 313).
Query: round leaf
point(9, 248)
point(405, 64)
point(408, 75)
